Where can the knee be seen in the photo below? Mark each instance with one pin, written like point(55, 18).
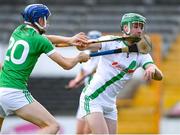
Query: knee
point(55, 126)
point(52, 126)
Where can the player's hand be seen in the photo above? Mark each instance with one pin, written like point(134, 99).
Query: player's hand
point(82, 47)
point(83, 57)
point(74, 84)
point(71, 84)
point(79, 39)
point(149, 73)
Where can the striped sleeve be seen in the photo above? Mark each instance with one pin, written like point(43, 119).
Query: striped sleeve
point(145, 59)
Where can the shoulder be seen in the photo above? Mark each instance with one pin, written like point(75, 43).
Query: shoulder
point(110, 45)
point(42, 39)
point(18, 28)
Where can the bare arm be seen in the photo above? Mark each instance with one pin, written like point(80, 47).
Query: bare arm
point(77, 81)
point(58, 39)
point(77, 40)
point(69, 63)
point(92, 47)
point(153, 72)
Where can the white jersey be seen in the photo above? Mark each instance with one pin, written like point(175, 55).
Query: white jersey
point(89, 67)
point(113, 72)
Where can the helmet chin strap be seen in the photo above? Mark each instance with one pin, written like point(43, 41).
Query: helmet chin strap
point(41, 29)
point(27, 22)
point(129, 29)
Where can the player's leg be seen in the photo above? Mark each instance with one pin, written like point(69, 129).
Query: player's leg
point(2, 115)
point(92, 112)
point(80, 126)
point(110, 115)
point(87, 129)
point(112, 125)
point(80, 123)
point(97, 123)
point(37, 114)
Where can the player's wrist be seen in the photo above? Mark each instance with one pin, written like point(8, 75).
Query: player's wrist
point(78, 59)
point(67, 40)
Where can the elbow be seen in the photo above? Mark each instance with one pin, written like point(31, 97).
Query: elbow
point(67, 67)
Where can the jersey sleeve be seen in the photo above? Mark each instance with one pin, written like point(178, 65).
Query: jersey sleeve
point(145, 59)
point(46, 46)
point(107, 45)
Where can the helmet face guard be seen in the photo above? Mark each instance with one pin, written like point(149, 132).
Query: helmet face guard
point(33, 12)
point(131, 18)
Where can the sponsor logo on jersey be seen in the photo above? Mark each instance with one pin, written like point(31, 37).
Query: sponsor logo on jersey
point(121, 67)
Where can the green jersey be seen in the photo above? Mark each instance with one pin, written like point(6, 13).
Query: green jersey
point(25, 47)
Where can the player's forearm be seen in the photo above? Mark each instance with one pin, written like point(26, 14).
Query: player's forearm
point(92, 47)
point(70, 63)
point(79, 76)
point(58, 39)
point(65, 63)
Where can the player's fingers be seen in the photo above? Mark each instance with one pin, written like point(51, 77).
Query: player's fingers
point(80, 44)
point(82, 35)
point(147, 76)
point(82, 39)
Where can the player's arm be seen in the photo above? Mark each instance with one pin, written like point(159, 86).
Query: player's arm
point(153, 72)
point(68, 63)
point(79, 76)
point(92, 47)
point(77, 81)
point(79, 39)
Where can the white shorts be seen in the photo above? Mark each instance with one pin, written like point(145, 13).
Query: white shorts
point(88, 106)
point(13, 99)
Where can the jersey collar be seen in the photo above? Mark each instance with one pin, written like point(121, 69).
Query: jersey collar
point(29, 26)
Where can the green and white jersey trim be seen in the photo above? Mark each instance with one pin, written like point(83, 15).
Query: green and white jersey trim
point(51, 52)
point(144, 66)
